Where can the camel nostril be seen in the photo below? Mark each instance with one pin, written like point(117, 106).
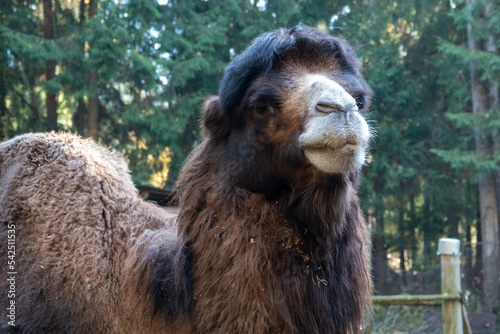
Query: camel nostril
point(338, 105)
point(328, 106)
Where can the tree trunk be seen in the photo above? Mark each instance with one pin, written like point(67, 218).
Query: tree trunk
point(468, 274)
point(497, 190)
point(35, 116)
point(490, 249)
point(4, 68)
point(486, 182)
point(81, 110)
point(50, 65)
point(379, 249)
point(79, 117)
point(380, 253)
point(453, 222)
point(3, 96)
point(402, 242)
point(491, 46)
point(3, 112)
point(82, 13)
point(93, 104)
point(478, 263)
point(414, 249)
point(93, 108)
point(428, 251)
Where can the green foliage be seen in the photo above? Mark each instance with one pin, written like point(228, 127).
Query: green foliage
point(155, 64)
point(488, 61)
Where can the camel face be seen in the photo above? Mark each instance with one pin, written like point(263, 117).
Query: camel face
point(290, 110)
point(336, 136)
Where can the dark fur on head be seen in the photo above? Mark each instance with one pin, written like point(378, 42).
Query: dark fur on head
point(272, 50)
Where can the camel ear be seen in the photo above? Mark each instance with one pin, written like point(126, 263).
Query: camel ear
point(213, 121)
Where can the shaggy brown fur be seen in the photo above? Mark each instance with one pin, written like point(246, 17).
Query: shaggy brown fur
point(278, 246)
point(82, 234)
point(265, 242)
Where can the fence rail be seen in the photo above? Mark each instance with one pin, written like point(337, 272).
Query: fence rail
point(415, 300)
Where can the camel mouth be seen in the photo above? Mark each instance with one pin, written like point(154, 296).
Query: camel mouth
point(351, 144)
point(336, 143)
point(340, 151)
point(349, 138)
point(336, 159)
point(346, 149)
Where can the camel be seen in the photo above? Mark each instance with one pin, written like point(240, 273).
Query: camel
point(270, 237)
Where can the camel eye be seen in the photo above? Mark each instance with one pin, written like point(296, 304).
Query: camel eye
point(360, 102)
point(260, 107)
point(264, 101)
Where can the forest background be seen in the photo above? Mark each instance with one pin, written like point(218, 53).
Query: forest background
point(132, 74)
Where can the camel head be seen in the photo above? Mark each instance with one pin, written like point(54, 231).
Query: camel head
point(290, 107)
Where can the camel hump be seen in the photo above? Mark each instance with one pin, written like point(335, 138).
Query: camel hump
point(43, 168)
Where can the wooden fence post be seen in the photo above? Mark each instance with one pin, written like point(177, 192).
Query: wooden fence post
point(449, 250)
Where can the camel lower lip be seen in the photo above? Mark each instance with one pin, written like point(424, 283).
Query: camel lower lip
point(330, 147)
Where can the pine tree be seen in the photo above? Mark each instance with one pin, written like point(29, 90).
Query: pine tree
point(482, 125)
